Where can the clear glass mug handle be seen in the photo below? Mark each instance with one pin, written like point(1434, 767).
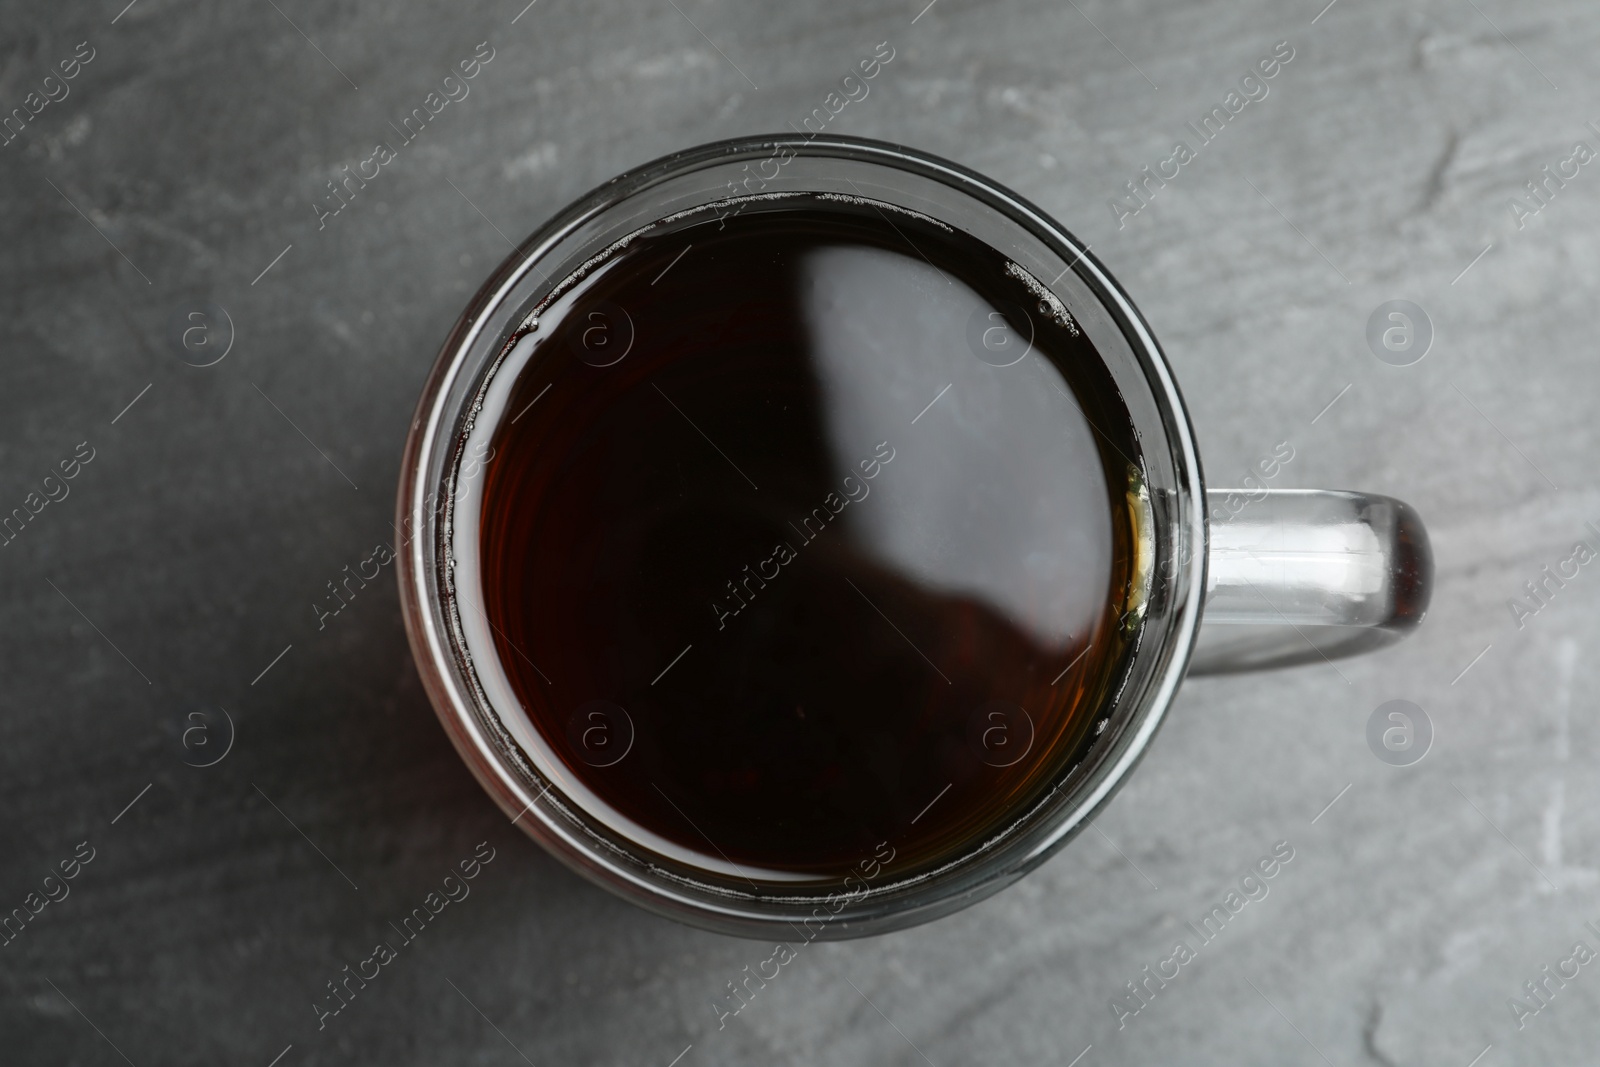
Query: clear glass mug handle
point(1303, 575)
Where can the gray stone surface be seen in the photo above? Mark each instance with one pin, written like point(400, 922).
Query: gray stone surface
point(189, 549)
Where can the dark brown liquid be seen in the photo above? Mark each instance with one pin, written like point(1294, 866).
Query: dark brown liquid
point(767, 587)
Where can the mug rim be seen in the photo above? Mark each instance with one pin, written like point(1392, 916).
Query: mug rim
point(437, 420)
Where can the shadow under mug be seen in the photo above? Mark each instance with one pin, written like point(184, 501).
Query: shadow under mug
point(1280, 576)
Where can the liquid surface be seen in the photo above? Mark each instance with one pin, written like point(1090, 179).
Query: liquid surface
point(796, 538)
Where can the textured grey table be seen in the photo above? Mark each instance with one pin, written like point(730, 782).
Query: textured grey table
point(180, 570)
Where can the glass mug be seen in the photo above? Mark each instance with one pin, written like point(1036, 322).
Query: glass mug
point(1277, 577)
